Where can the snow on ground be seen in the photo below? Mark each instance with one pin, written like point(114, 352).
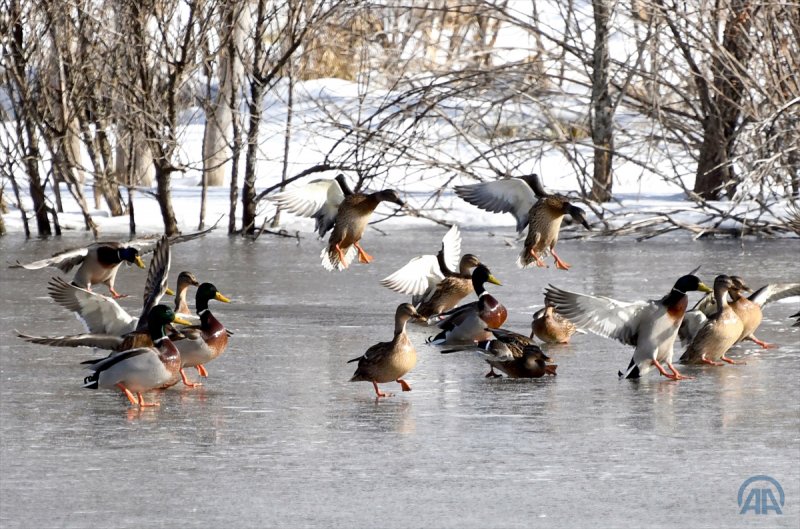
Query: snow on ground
point(316, 103)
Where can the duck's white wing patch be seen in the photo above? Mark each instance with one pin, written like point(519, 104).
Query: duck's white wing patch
point(64, 261)
point(451, 248)
point(418, 276)
point(511, 195)
point(598, 314)
point(99, 314)
point(319, 199)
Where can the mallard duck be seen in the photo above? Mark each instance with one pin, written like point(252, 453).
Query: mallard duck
point(185, 280)
point(388, 361)
point(468, 323)
point(551, 327)
point(431, 279)
point(749, 309)
point(99, 262)
point(719, 333)
point(532, 207)
point(514, 354)
point(109, 326)
point(144, 368)
point(650, 326)
point(335, 207)
point(200, 344)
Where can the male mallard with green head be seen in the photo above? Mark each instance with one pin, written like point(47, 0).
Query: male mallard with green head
point(144, 368)
point(389, 361)
point(541, 212)
point(200, 344)
point(649, 326)
point(467, 324)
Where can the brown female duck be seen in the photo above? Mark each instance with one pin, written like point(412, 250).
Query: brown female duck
point(468, 323)
point(431, 279)
point(551, 327)
point(389, 361)
point(533, 207)
point(719, 333)
point(185, 280)
point(335, 207)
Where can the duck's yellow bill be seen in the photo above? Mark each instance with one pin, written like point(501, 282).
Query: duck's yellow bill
point(139, 262)
point(181, 321)
point(220, 297)
point(169, 292)
point(494, 280)
point(702, 287)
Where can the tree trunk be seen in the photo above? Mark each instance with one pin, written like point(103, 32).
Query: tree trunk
point(602, 109)
point(715, 171)
point(249, 187)
point(163, 178)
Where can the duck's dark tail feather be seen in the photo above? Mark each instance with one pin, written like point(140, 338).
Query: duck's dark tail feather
point(631, 372)
point(91, 381)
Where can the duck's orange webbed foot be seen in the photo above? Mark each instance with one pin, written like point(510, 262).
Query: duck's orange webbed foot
point(143, 404)
point(763, 344)
point(732, 361)
point(128, 394)
point(201, 370)
point(378, 392)
point(363, 257)
point(677, 375)
point(561, 265)
point(186, 380)
point(709, 362)
point(341, 256)
point(538, 260)
point(403, 384)
point(116, 295)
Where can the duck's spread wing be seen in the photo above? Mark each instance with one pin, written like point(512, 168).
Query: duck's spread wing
point(774, 292)
point(318, 199)
point(511, 195)
point(64, 261)
point(451, 248)
point(598, 314)
point(100, 315)
point(415, 278)
point(156, 284)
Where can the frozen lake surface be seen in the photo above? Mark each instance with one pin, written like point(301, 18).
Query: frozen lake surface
point(278, 437)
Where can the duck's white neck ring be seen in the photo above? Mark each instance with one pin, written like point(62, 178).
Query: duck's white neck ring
point(202, 312)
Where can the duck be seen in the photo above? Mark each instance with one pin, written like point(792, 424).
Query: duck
point(186, 279)
point(533, 207)
point(551, 327)
point(108, 325)
point(467, 323)
point(99, 262)
point(143, 368)
point(389, 361)
point(512, 353)
point(337, 209)
point(436, 282)
point(200, 344)
point(650, 326)
point(720, 332)
point(749, 309)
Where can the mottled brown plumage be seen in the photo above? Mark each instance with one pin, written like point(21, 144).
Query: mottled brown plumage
point(389, 361)
point(452, 289)
point(551, 327)
point(719, 333)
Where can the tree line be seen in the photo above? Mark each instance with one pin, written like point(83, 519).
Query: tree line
point(707, 89)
